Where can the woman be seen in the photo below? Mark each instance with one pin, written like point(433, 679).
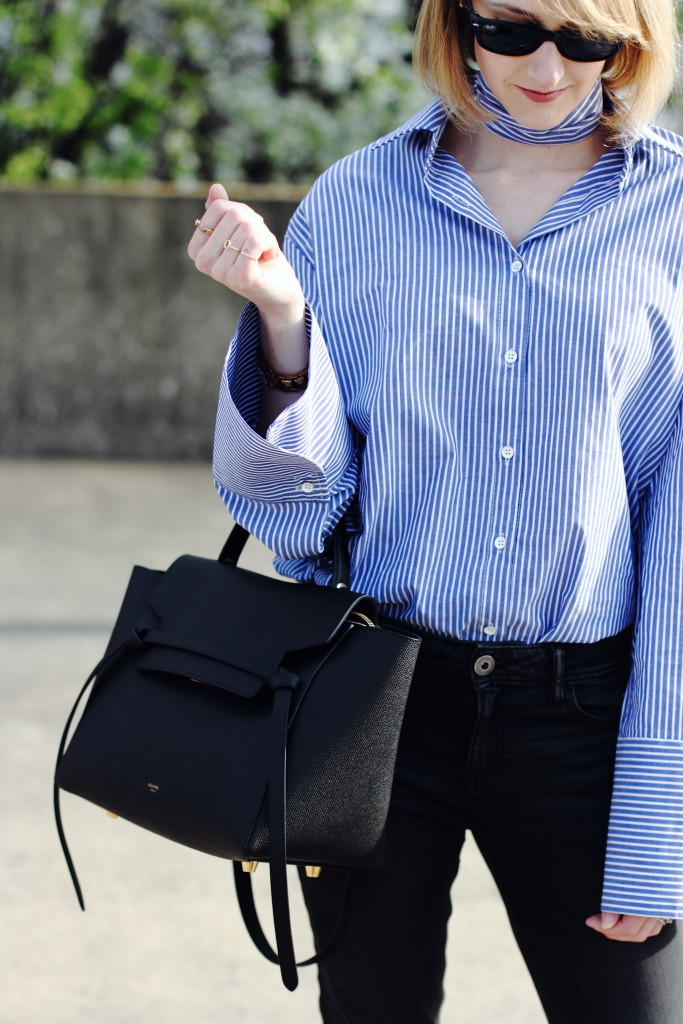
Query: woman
point(475, 345)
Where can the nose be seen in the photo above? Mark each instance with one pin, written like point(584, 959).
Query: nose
point(546, 66)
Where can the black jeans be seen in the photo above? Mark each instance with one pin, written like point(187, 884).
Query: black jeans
point(515, 743)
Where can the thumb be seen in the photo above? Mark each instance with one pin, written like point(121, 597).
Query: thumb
point(604, 921)
point(216, 192)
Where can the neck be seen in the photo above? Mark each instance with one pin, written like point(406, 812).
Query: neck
point(482, 151)
point(580, 124)
point(504, 145)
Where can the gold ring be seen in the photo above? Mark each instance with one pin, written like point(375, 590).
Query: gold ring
point(204, 231)
point(227, 244)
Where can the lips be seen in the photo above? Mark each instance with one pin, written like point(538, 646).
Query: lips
point(541, 97)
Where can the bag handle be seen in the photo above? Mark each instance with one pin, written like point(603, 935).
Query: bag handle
point(234, 546)
point(283, 685)
point(245, 898)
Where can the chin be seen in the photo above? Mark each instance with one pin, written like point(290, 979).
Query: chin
point(540, 120)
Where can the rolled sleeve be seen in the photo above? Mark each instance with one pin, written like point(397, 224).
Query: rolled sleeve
point(644, 867)
point(292, 486)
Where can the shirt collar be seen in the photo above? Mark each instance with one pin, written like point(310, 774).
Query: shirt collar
point(431, 120)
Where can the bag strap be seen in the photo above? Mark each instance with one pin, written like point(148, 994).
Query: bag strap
point(245, 898)
point(283, 684)
point(341, 570)
point(106, 661)
point(234, 545)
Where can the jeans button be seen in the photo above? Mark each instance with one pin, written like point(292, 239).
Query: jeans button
point(484, 665)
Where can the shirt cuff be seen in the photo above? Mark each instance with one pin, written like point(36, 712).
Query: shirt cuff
point(308, 448)
point(644, 866)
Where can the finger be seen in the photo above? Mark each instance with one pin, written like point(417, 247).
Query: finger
point(239, 216)
point(205, 227)
point(251, 235)
point(219, 254)
point(603, 922)
point(217, 191)
point(630, 929)
point(643, 933)
point(253, 242)
point(625, 927)
point(228, 216)
point(201, 234)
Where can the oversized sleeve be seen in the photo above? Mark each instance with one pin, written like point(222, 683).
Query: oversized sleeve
point(290, 487)
point(644, 868)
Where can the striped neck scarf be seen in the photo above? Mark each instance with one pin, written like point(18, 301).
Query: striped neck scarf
point(578, 125)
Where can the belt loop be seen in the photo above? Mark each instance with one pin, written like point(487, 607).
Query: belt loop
point(558, 674)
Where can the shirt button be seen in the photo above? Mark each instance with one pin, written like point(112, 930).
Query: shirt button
point(507, 452)
point(490, 630)
point(516, 266)
point(510, 356)
point(307, 487)
point(500, 543)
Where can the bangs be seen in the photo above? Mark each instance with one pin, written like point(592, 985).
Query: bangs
point(611, 19)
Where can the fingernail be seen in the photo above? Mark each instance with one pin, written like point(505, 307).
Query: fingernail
point(609, 920)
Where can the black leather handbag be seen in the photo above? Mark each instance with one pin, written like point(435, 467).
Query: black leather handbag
point(248, 717)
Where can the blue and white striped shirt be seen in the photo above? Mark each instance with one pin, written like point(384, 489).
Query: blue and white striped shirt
point(511, 420)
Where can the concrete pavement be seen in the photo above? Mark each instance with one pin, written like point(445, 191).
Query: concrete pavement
point(162, 941)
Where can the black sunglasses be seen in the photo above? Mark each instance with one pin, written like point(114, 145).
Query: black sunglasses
point(517, 39)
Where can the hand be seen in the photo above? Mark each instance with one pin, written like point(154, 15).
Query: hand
point(253, 265)
point(625, 927)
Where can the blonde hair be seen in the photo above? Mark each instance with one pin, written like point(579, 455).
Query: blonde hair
point(637, 80)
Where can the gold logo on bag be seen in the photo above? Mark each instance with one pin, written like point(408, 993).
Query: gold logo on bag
point(152, 787)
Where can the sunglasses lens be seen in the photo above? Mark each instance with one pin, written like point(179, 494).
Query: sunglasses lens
point(507, 38)
point(512, 40)
point(582, 48)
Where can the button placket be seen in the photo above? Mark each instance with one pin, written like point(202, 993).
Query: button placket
point(511, 356)
point(507, 429)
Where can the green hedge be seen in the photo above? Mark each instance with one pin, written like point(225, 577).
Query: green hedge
point(191, 91)
point(196, 90)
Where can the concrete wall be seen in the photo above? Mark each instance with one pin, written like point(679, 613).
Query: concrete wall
point(111, 343)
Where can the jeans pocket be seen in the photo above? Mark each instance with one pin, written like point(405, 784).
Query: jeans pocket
point(599, 702)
